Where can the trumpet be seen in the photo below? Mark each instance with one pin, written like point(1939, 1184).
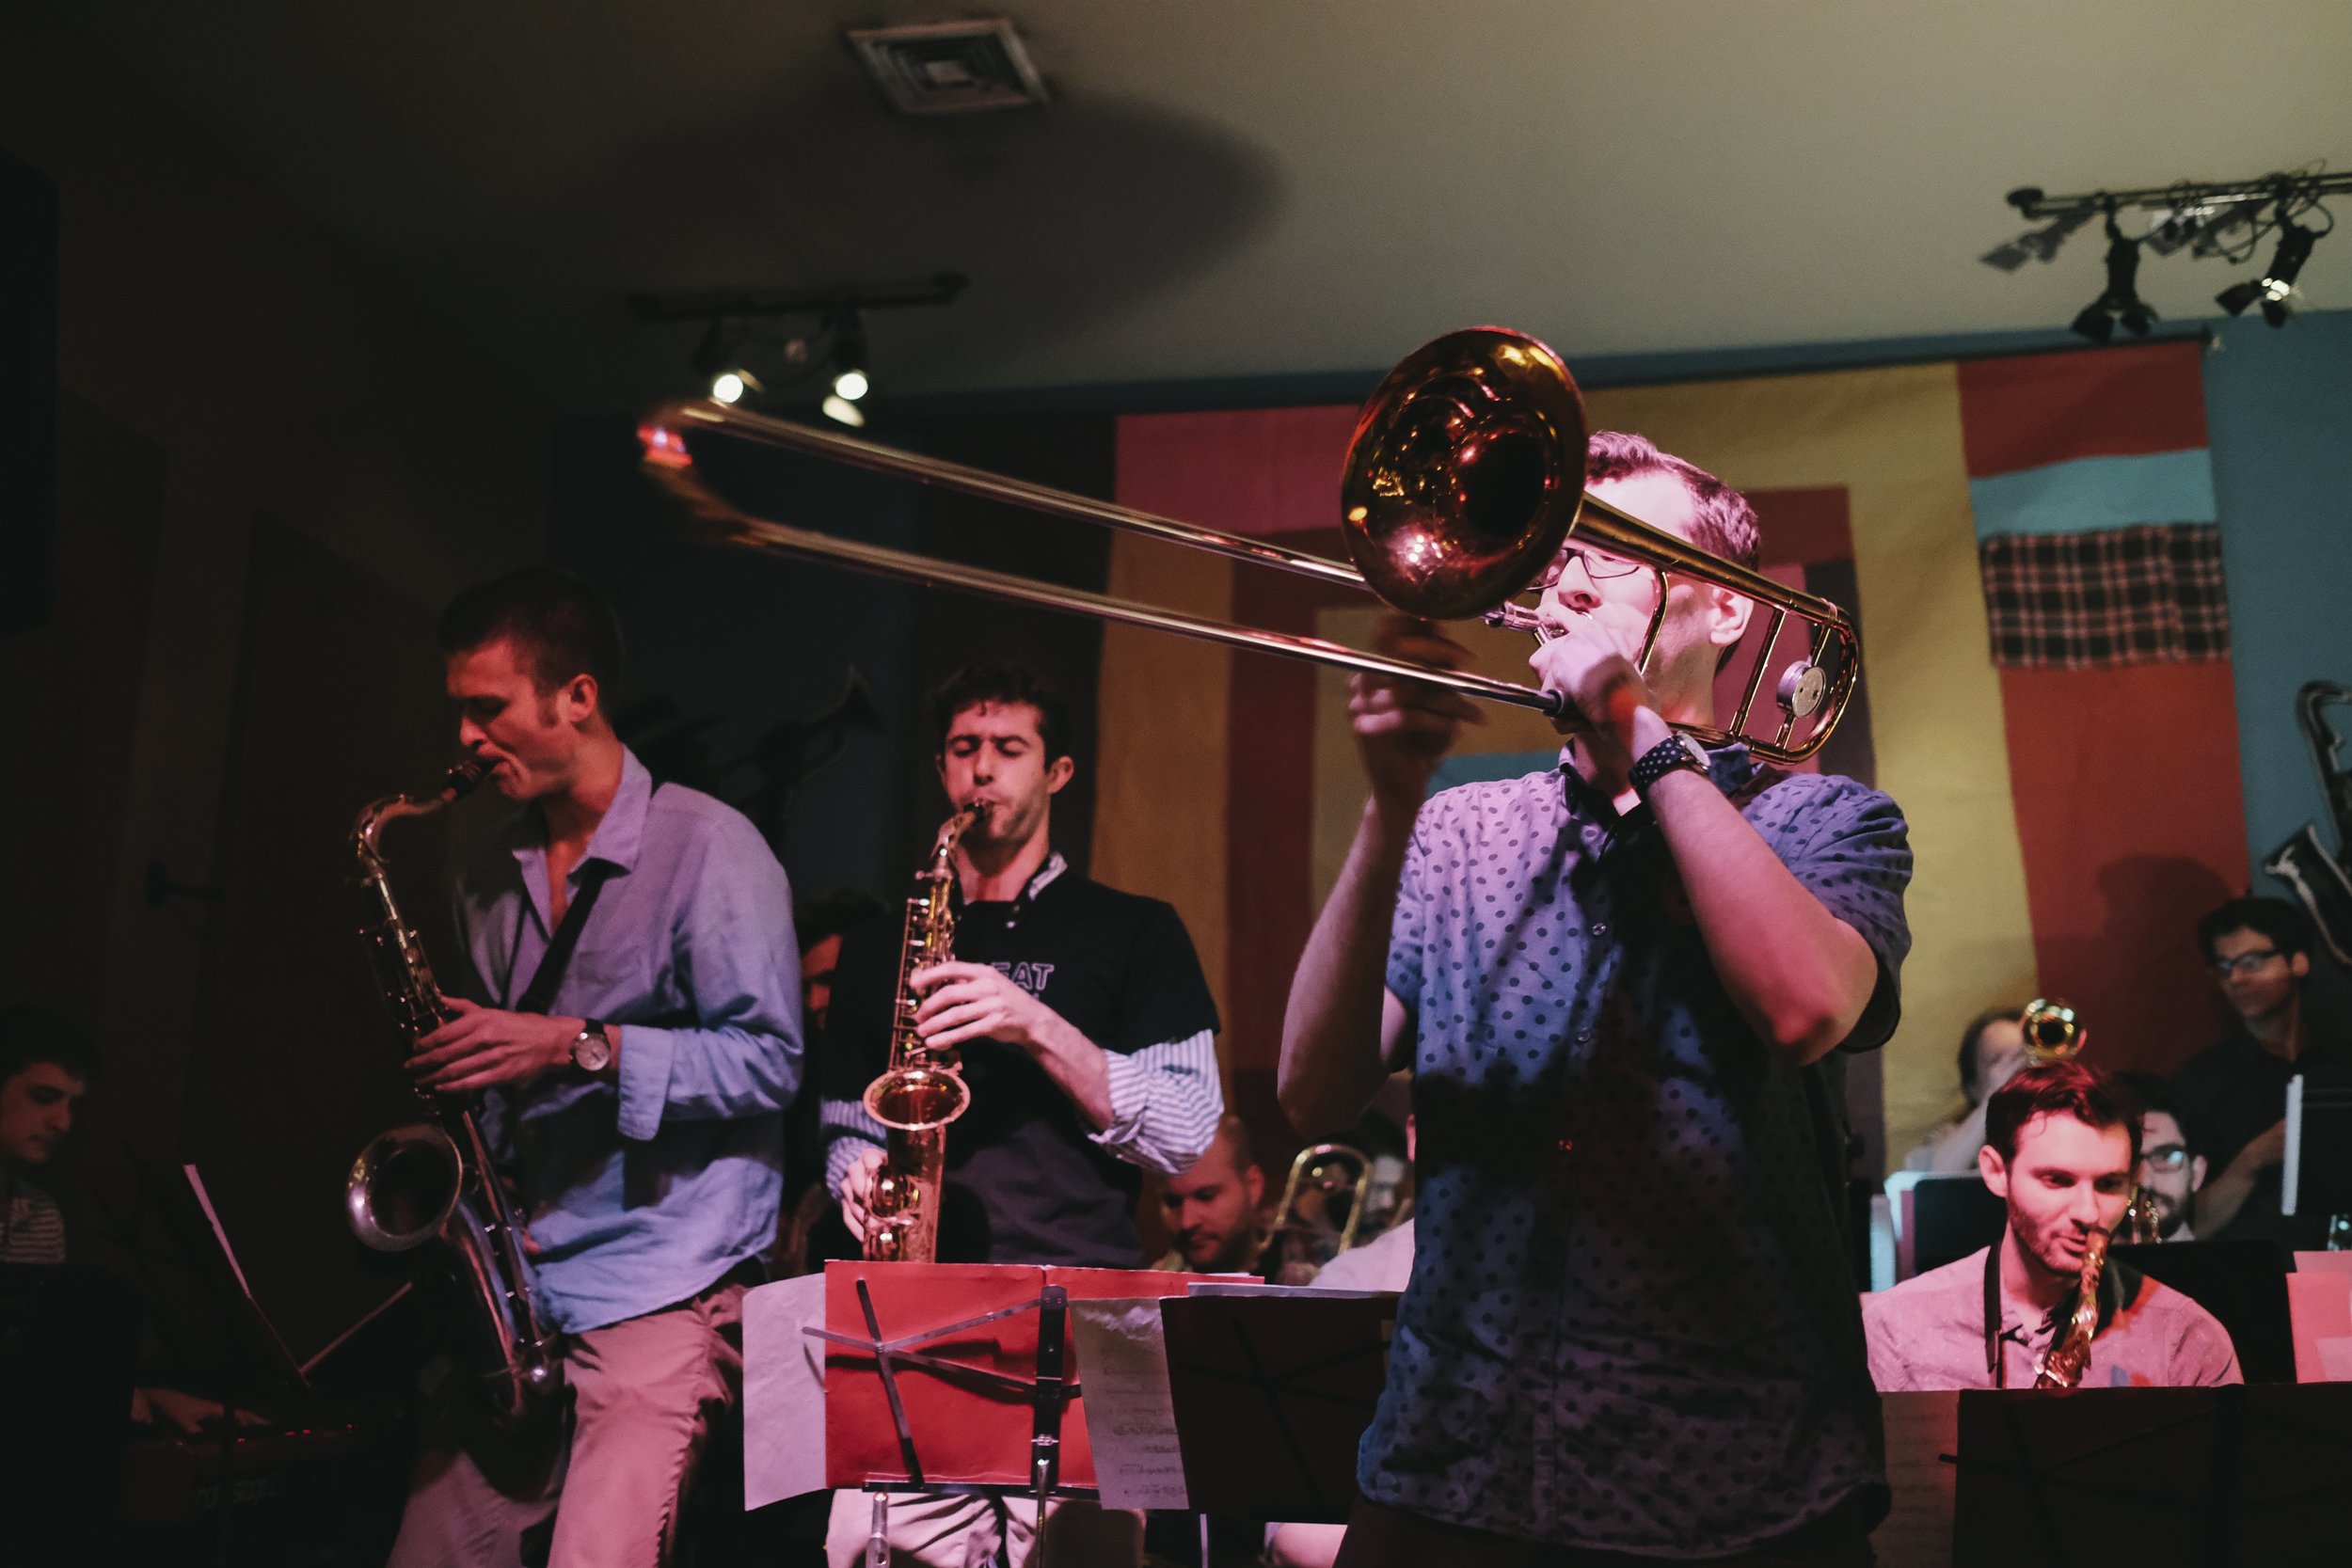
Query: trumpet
point(1464, 477)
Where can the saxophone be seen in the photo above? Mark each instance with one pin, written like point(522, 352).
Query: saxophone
point(433, 1181)
point(2062, 1366)
point(921, 1091)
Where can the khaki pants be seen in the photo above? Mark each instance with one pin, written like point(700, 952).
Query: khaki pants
point(964, 1532)
point(644, 1395)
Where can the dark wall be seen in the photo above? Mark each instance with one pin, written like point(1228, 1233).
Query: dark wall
point(727, 647)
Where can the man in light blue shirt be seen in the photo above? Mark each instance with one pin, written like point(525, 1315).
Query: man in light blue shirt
point(640, 1093)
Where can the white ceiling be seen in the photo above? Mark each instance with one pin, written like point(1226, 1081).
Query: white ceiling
point(1241, 187)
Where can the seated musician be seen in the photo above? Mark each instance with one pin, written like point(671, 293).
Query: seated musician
point(1088, 1036)
point(47, 1066)
point(1992, 1048)
point(2170, 1168)
point(1215, 1209)
point(2061, 1144)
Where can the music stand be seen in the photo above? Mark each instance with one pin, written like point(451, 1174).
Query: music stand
point(2152, 1477)
point(2316, 1177)
point(1941, 1219)
point(1271, 1391)
point(937, 1374)
point(2242, 1283)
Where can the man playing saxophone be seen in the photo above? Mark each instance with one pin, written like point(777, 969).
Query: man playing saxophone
point(1086, 1034)
point(2062, 1145)
point(634, 1029)
point(1630, 1330)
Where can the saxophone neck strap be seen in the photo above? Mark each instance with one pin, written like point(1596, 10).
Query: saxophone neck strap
point(2117, 1284)
point(540, 994)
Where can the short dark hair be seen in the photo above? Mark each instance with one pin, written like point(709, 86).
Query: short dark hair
point(559, 625)
point(30, 1033)
point(2093, 1098)
point(1977, 1025)
point(2153, 1094)
point(1001, 684)
point(1726, 523)
point(829, 915)
point(2284, 924)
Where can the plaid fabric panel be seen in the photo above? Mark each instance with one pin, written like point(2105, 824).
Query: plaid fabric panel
point(2082, 601)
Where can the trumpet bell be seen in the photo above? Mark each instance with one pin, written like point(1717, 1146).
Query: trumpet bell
point(1465, 473)
point(2053, 1034)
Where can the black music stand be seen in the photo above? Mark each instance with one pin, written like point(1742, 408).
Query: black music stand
point(2242, 1283)
point(2152, 1477)
point(1048, 1393)
point(1271, 1394)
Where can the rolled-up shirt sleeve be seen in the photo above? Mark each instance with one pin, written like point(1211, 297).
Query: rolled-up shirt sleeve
point(1166, 1102)
point(741, 1051)
point(849, 1130)
point(1857, 862)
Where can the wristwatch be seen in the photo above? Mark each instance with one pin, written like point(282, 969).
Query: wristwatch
point(1669, 756)
point(591, 1048)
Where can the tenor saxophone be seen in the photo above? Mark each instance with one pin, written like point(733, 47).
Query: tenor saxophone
point(922, 1090)
point(432, 1181)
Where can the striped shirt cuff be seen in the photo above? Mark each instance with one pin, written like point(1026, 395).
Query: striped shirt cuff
point(1166, 1102)
point(848, 1131)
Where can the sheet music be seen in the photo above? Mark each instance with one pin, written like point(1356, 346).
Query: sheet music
point(2293, 1173)
point(784, 1390)
point(1131, 1422)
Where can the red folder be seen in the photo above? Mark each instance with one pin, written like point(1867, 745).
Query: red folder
point(968, 1388)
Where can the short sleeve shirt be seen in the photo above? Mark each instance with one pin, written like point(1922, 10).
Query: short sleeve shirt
point(1025, 1183)
point(1631, 1323)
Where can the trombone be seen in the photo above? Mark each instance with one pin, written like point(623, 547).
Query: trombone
point(1463, 479)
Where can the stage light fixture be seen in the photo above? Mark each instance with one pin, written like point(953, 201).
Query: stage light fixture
point(2035, 244)
point(2270, 291)
point(2119, 301)
point(732, 386)
point(840, 408)
point(850, 380)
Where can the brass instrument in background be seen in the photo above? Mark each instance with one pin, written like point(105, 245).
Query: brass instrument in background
point(1322, 1210)
point(2316, 875)
point(2138, 1226)
point(922, 1090)
point(432, 1181)
point(2063, 1365)
point(1464, 477)
point(2053, 1033)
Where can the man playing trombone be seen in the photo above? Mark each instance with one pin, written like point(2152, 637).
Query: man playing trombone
point(1631, 1327)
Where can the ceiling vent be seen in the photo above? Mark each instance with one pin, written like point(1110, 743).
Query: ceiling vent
point(950, 68)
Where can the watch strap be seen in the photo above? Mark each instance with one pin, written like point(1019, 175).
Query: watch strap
point(1670, 755)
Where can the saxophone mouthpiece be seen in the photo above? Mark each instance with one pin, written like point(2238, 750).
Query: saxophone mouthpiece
point(464, 777)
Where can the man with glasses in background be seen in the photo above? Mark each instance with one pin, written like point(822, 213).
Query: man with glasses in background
point(2170, 1169)
point(2232, 1097)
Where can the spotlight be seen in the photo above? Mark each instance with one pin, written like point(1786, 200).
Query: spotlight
point(729, 385)
point(2270, 291)
point(719, 361)
point(840, 408)
point(849, 381)
point(2119, 301)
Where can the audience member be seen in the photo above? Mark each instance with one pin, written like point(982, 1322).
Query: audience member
point(2231, 1098)
point(1991, 1049)
point(2170, 1169)
point(2061, 1145)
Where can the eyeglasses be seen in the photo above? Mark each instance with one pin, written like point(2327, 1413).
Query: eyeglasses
point(2165, 1157)
point(2245, 963)
point(1596, 566)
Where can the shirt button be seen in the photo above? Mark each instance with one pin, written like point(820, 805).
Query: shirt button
point(1584, 1037)
point(1600, 928)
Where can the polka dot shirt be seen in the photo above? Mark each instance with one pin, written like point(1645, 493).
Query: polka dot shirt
point(1631, 1325)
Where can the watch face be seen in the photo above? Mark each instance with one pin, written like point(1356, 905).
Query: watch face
point(591, 1051)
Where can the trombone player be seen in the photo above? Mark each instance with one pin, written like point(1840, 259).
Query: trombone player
point(1631, 1330)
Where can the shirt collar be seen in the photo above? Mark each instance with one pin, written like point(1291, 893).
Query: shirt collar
point(620, 833)
point(1732, 765)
